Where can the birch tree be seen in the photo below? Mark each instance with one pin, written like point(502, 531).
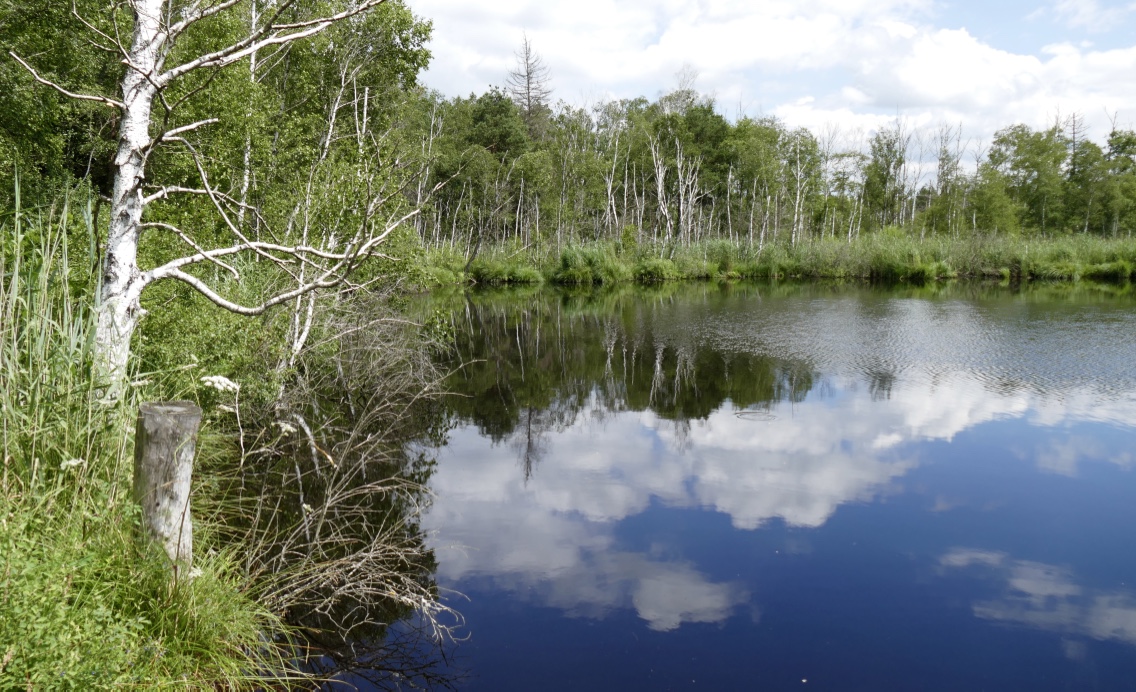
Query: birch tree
point(152, 93)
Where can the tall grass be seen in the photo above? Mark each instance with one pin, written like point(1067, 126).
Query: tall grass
point(882, 257)
point(82, 606)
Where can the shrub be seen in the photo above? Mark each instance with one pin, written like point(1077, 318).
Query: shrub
point(655, 270)
point(593, 265)
point(1118, 271)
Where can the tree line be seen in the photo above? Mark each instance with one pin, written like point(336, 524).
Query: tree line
point(676, 171)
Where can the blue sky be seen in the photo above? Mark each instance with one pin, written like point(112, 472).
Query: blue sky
point(848, 64)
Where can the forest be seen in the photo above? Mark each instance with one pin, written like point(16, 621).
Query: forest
point(515, 166)
point(674, 170)
point(229, 201)
point(757, 197)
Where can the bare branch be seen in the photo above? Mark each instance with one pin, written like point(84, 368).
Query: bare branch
point(192, 92)
point(165, 192)
point(214, 197)
point(299, 252)
point(171, 134)
point(65, 92)
point(189, 241)
point(271, 34)
point(118, 47)
point(329, 276)
point(217, 299)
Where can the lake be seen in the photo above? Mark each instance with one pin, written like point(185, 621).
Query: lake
point(790, 487)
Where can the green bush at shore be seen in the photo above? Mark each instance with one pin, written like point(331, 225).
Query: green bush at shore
point(880, 258)
point(82, 606)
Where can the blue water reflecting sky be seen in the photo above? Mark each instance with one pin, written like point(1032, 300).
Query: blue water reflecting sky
point(945, 531)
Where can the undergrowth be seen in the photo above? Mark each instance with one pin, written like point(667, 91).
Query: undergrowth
point(883, 258)
point(82, 605)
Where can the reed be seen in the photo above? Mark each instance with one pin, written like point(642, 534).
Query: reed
point(881, 257)
point(82, 606)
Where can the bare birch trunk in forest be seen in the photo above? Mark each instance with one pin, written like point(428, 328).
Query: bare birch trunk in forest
point(122, 282)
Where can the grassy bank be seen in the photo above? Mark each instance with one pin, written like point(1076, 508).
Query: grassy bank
point(82, 606)
point(880, 257)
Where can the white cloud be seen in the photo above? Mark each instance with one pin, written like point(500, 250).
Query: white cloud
point(1088, 14)
point(859, 63)
point(1047, 597)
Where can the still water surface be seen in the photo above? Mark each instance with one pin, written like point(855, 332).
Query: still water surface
point(811, 487)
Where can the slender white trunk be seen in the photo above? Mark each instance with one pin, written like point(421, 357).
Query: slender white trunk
point(661, 187)
point(246, 176)
point(119, 309)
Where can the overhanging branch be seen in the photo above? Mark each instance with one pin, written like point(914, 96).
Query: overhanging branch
point(217, 299)
point(69, 94)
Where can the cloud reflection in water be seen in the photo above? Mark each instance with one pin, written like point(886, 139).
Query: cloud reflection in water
point(552, 539)
point(1047, 597)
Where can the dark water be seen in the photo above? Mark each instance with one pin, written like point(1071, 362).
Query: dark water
point(792, 488)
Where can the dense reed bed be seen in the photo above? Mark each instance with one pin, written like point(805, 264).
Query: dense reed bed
point(880, 257)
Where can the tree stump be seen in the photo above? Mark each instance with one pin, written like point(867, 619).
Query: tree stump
point(164, 445)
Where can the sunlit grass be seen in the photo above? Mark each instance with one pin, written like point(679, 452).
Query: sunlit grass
point(82, 605)
point(883, 257)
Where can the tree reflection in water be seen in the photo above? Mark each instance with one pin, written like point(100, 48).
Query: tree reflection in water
point(327, 502)
point(528, 363)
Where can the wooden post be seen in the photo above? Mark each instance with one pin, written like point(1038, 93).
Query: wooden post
point(164, 445)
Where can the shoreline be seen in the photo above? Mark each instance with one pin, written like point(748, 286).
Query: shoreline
point(877, 259)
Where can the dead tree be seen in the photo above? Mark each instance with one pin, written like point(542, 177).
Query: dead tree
point(528, 85)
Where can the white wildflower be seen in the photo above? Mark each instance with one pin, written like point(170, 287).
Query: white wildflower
point(221, 383)
point(195, 573)
point(285, 428)
point(141, 383)
point(307, 508)
point(226, 409)
point(72, 463)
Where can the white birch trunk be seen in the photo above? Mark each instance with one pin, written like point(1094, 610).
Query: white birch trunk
point(661, 187)
point(119, 309)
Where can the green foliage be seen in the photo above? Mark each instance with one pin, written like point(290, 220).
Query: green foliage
point(52, 139)
point(492, 272)
point(1118, 271)
point(186, 337)
point(599, 264)
point(887, 257)
point(1032, 163)
point(498, 125)
point(628, 241)
point(675, 170)
point(883, 191)
point(80, 607)
point(655, 270)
